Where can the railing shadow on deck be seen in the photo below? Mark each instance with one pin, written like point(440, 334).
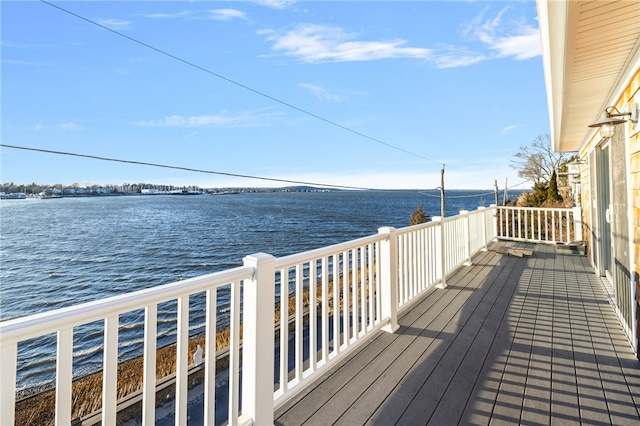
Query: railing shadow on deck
point(526, 344)
point(547, 360)
point(395, 368)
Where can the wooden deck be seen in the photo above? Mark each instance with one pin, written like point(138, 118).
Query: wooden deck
point(512, 340)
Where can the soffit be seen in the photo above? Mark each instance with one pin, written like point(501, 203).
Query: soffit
point(601, 42)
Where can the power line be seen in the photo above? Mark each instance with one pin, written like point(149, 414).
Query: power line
point(456, 196)
point(473, 195)
point(243, 86)
point(188, 169)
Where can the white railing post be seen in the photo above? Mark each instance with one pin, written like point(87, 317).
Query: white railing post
point(258, 340)
point(467, 236)
point(389, 278)
point(483, 226)
point(577, 223)
point(8, 363)
point(497, 221)
point(441, 255)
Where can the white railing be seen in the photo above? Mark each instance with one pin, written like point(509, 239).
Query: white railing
point(334, 304)
point(540, 225)
point(63, 321)
point(298, 315)
point(425, 250)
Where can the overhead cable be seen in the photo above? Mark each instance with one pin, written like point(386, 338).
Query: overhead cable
point(243, 86)
point(188, 169)
point(473, 195)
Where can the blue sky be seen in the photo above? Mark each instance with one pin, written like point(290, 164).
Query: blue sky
point(454, 83)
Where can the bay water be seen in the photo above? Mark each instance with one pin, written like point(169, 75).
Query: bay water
point(61, 252)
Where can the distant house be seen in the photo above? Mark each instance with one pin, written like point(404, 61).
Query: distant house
point(591, 57)
point(152, 191)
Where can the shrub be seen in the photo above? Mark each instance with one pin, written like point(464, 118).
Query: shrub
point(419, 216)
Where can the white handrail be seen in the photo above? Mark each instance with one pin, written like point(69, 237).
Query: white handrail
point(297, 258)
point(24, 328)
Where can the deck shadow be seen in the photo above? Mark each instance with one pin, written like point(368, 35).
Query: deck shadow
point(512, 340)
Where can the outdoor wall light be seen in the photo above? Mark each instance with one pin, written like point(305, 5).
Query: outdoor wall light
point(608, 123)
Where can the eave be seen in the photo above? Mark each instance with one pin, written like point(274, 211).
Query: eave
point(590, 50)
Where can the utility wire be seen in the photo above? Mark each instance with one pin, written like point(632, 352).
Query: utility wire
point(333, 123)
point(471, 196)
point(213, 172)
point(188, 169)
point(456, 196)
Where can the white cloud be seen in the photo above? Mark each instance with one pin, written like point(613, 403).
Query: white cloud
point(276, 4)
point(503, 36)
point(115, 24)
point(523, 46)
point(509, 129)
point(213, 14)
point(322, 43)
point(320, 93)
point(452, 57)
point(184, 14)
point(69, 126)
point(121, 71)
point(27, 63)
point(221, 119)
point(5, 43)
point(226, 14)
point(485, 38)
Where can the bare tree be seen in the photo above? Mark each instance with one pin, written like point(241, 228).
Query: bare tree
point(537, 162)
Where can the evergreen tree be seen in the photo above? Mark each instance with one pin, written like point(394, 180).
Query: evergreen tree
point(538, 196)
point(552, 192)
point(418, 216)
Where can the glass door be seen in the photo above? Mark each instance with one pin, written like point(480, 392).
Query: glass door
point(605, 211)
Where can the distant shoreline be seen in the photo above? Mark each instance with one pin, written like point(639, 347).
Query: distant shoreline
point(110, 191)
point(21, 192)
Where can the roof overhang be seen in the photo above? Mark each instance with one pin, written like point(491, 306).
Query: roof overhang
point(590, 50)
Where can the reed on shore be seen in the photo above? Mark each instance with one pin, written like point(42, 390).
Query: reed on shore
point(38, 407)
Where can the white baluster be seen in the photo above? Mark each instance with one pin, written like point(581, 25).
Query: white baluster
point(149, 365)
point(64, 376)
point(110, 370)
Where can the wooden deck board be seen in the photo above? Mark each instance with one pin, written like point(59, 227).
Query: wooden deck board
point(436, 398)
point(395, 407)
point(457, 393)
point(511, 340)
point(424, 333)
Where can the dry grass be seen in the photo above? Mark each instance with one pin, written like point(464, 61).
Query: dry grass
point(86, 392)
point(38, 408)
point(306, 300)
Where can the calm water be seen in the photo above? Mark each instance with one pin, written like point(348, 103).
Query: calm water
point(61, 252)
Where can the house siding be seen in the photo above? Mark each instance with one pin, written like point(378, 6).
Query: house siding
point(633, 93)
point(630, 95)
